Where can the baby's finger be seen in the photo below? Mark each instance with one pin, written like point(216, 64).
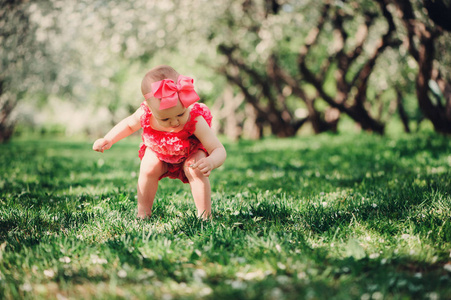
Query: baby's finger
point(204, 169)
point(99, 149)
point(196, 164)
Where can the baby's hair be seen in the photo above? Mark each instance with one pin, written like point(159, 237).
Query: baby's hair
point(156, 74)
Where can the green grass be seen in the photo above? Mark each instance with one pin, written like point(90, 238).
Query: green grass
point(351, 216)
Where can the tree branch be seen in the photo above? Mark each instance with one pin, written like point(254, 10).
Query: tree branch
point(362, 77)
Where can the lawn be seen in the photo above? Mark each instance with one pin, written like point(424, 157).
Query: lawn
point(352, 216)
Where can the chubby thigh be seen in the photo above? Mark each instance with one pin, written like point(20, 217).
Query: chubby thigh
point(151, 165)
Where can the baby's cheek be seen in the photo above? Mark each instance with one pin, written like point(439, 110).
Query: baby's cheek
point(183, 122)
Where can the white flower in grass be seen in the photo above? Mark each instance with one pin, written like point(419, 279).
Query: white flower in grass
point(49, 273)
point(240, 260)
point(276, 293)
point(258, 274)
point(100, 162)
point(205, 291)
point(65, 259)
point(432, 296)
point(282, 279)
point(61, 297)
point(346, 270)
point(374, 205)
point(365, 296)
point(374, 255)
point(122, 273)
point(377, 296)
point(198, 274)
point(281, 266)
point(447, 267)
point(97, 260)
point(238, 285)
point(166, 297)
point(26, 287)
point(302, 275)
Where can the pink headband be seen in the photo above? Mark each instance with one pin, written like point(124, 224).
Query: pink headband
point(169, 92)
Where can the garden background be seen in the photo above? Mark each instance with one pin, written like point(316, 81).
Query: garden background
point(335, 115)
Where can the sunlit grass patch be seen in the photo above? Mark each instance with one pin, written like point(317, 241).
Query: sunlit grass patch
point(345, 217)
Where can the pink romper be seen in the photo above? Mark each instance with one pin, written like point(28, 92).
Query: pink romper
point(173, 147)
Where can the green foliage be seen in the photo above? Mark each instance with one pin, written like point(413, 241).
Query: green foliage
point(326, 217)
point(95, 53)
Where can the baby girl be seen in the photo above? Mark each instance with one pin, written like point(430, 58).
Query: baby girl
point(177, 139)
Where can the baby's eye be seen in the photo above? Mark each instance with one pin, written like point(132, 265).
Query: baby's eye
point(181, 115)
point(164, 120)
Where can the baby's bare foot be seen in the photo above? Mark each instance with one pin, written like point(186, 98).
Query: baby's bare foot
point(143, 217)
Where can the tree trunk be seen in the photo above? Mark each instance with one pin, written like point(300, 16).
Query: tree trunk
point(8, 103)
point(402, 112)
point(435, 113)
point(424, 54)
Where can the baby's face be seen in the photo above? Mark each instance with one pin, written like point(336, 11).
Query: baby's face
point(170, 119)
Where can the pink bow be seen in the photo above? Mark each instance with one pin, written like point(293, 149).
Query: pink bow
point(169, 92)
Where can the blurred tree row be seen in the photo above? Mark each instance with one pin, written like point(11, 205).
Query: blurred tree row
point(359, 58)
point(261, 64)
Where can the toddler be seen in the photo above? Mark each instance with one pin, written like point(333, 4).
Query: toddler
point(177, 139)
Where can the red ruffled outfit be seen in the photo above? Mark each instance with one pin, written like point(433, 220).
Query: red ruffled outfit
point(173, 147)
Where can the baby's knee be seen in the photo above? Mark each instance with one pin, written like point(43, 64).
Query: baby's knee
point(192, 173)
point(153, 170)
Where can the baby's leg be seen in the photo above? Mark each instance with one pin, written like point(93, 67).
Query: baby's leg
point(150, 171)
point(200, 186)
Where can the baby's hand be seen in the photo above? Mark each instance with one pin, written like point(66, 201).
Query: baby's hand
point(204, 165)
point(102, 144)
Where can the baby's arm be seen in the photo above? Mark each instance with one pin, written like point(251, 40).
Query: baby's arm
point(123, 129)
point(215, 149)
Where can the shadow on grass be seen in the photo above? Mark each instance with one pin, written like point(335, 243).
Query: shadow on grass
point(382, 213)
point(315, 165)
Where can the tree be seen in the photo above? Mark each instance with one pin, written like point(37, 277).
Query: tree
point(280, 63)
point(350, 95)
point(421, 38)
point(335, 57)
point(21, 54)
point(277, 52)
